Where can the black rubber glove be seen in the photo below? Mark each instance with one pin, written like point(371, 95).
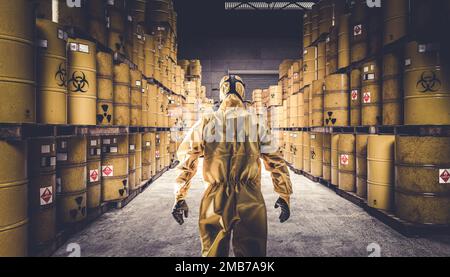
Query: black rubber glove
point(285, 211)
point(179, 209)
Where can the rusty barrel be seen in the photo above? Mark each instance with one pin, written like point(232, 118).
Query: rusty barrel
point(426, 85)
point(380, 172)
point(316, 140)
point(326, 159)
point(52, 73)
point(392, 90)
point(105, 106)
point(122, 95)
point(71, 174)
point(115, 153)
point(422, 168)
point(336, 100)
point(347, 163)
point(136, 98)
point(82, 82)
point(355, 97)
point(94, 175)
point(371, 114)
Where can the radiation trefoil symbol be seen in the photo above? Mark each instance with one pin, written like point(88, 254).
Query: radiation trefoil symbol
point(78, 82)
point(330, 119)
point(80, 209)
point(105, 115)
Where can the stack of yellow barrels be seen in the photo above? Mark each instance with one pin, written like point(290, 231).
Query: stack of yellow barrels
point(93, 178)
point(105, 95)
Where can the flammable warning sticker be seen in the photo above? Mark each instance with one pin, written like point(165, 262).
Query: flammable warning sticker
point(46, 195)
point(444, 176)
point(108, 171)
point(367, 98)
point(93, 175)
point(344, 159)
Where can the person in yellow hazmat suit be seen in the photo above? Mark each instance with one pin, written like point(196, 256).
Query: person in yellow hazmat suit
point(232, 140)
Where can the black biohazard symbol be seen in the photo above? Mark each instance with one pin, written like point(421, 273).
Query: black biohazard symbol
point(105, 115)
point(124, 190)
point(78, 82)
point(61, 75)
point(330, 119)
point(74, 213)
point(313, 155)
point(428, 82)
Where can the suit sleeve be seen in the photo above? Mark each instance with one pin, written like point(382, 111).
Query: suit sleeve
point(275, 164)
point(188, 154)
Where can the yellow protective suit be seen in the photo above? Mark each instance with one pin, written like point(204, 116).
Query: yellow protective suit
point(233, 202)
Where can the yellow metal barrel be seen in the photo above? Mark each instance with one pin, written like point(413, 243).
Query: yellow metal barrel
point(71, 174)
point(325, 16)
point(307, 103)
point(150, 49)
point(153, 153)
point(145, 103)
point(336, 100)
point(359, 32)
point(317, 103)
point(17, 70)
point(332, 52)
point(309, 65)
point(147, 147)
point(105, 107)
point(361, 165)
point(344, 41)
point(315, 22)
point(426, 85)
point(307, 29)
point(306, 152)
point(380, 172)
point(138, 153)
point(288, 152)
point(371, 114)
point(159, 153)
point(320, 61)
point(293, 110)
point(422, 179)
point(13, 199)
point(138, 56)
point(94, 172)
point(122, 95)
point(300, 109)
point(326, 174)
point(136, 98)
point(154, 107)
point(392, 89)
point(132, 162)
point(395, 18)
point(334, 160)
point(355, 97)
point(297, 148)
point(166, 149)
point(346, 155)
point(51, 73)
point(115, 153)
point(42, 192)
point(82, 82)
point(316, 140)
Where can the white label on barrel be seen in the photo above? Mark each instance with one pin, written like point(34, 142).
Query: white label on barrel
point(45, 149)
point(61, 156)
point(366, 69)
point(99, 151)
point(132, 147)
point(46, 195)
point(147, 144)
point(444, 176)
point(328, 39)
point(138, 83)
point(305, 52)
point(52, 161)
point(370, 76)
point(130, 19)
point(114, 140)
point(354, 94)
point(63, 144)
point(422, 48)
point(367, 98)
point(106, 141)
point(84, 48)
point(43, 43)
point(94, 142)
point(407, 62)
point(73, 47)
point(113, 150)
point(344, 159)
point(313, 136)
point(139, 36)
point(60, 34)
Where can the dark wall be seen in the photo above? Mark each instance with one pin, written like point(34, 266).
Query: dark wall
point(236, 40)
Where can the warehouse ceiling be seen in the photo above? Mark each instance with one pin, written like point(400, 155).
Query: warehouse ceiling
point(198, 18)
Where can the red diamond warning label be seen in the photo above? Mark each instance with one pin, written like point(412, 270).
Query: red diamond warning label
point(354, 94)
point(46, 195)
point(93, 175)
point(108, 171)
point(344, 159)
point(444, 176)
point(357, 30)
point(367, 98)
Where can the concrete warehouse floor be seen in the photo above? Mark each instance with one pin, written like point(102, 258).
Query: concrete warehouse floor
point(322, 224)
